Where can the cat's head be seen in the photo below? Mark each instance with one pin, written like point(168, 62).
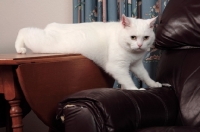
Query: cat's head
point(137, 35)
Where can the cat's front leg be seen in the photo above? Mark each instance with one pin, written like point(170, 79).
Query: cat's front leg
point(141, 73)
point(121, 74)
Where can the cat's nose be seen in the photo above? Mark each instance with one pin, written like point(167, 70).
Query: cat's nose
point(139, 45)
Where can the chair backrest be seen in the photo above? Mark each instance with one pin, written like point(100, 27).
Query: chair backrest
point(179, 35)
point(46, 84)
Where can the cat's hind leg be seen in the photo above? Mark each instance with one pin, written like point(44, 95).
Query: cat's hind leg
point(19, 43)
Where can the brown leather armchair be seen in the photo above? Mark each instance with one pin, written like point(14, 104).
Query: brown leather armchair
point(174, 109)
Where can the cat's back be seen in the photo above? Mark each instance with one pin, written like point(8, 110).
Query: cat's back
point(100, 29)
point(76, 27)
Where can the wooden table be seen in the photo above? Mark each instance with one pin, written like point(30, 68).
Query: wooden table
point(8, 79)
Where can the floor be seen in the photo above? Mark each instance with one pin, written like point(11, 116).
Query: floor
point(32, 124)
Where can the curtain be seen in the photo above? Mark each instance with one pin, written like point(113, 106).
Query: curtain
point(112, 10)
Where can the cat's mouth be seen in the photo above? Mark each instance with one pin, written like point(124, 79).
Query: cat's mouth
point(138, 49)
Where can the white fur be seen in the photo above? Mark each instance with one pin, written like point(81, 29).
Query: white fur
point(108, 44)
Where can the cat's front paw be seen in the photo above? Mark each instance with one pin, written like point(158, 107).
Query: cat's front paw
point(138, 89)
point(135, 88)
point(157, 84)
point(21, 50)
point(166, 85)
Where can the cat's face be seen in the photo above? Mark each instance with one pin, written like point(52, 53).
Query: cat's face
point(137, 35)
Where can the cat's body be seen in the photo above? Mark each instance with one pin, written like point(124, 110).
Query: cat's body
point(112, 45)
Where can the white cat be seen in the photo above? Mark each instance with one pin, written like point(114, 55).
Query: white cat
point(117, 47)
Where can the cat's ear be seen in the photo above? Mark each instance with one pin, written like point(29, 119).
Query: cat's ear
point(125, 21)
point(152, 22)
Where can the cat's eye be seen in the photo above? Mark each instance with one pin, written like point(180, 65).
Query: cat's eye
point(146, 37)
point(133, 37)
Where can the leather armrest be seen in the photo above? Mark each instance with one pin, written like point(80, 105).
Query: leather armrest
point(115, 110)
